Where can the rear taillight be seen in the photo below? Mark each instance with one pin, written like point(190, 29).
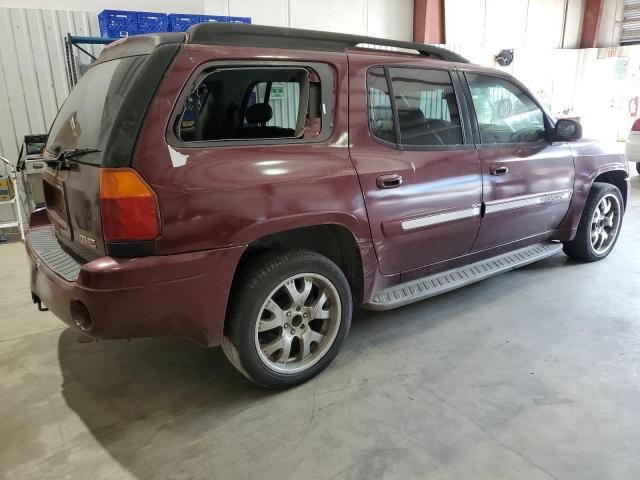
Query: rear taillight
point(636, 126)
point(127, 205)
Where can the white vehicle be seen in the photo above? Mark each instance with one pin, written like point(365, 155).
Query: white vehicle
point(633, 144)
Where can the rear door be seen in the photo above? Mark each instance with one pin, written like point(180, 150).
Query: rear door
point(527, 180)
point(417, 166)
point(89, 119)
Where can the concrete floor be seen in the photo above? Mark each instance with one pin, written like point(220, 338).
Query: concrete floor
point(533, 374)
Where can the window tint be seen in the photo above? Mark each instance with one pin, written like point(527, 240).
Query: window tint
point(505, 113)
point(380, 115)
point(252, 103)
point(88, 114)
point(427, 108)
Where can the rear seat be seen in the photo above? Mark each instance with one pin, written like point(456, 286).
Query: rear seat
point(257, 117)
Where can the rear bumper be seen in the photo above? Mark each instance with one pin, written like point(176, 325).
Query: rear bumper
point(182, 295)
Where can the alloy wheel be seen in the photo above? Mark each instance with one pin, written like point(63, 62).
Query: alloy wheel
point(298, 323)
point(605, 224)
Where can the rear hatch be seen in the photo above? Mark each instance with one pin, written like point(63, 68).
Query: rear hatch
point(97, 127)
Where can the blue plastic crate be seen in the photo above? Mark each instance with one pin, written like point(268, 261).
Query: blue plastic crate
point(117, 23)
point(180, 22)
point(213, 19)
point(246, 20)
point(152, 22)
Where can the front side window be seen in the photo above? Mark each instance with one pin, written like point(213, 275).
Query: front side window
point(252, 103)
point(427, 108)
point(505, 113)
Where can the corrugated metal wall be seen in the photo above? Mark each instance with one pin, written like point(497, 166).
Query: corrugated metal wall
point(33, 81)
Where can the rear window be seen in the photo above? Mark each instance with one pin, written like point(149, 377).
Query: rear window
point(88, 114)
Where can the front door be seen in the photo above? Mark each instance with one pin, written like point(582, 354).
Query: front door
point(420, 175)
point(527, 181)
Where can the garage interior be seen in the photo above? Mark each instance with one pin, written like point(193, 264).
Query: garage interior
point(533, 374)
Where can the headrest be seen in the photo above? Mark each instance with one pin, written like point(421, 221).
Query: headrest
point(259, 113)
point(411, 117)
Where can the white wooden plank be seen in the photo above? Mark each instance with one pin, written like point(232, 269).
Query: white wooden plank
point(28, 73)
point(55, 47)
point(42, 67)
point(13, 83)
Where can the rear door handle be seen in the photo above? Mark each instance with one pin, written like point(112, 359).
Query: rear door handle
point(498, 170)
point(390, 180)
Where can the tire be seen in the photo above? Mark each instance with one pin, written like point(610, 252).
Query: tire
point(582, 247)
point(277, 341)
point(638, 167)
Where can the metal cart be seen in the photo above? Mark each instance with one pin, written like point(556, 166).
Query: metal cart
point(15, 201)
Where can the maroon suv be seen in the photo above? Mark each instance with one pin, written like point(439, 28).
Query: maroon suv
point(246, 186)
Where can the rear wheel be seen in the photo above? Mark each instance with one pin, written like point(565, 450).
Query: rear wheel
point(288, 318)
point(599, 225)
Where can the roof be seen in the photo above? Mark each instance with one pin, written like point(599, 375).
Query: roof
point(294, 38)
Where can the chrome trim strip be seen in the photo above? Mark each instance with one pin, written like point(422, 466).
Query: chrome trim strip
point(440, 218)
point(496, 206)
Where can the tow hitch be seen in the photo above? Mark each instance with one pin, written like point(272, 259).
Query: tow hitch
point(37, 300)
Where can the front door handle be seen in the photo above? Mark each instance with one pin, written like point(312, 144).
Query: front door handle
point(391, 180)
point(499, 170)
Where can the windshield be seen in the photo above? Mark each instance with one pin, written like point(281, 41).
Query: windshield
point(88, 114)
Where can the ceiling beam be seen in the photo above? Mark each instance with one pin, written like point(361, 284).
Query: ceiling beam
point(591, 23)
point(428, 21)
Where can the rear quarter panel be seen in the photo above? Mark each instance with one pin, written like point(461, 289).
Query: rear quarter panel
point(212, 197)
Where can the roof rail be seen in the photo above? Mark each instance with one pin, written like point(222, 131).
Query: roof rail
point(294, 38)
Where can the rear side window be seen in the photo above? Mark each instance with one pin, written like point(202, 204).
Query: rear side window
point(427, 108)
point(87, 115)
point(505, 113)
point(424, 105)
point(252, 103)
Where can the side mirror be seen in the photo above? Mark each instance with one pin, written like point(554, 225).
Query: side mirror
point(567, 130)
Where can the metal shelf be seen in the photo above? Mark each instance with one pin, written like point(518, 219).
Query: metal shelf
point(71, 42)
point(9, 224)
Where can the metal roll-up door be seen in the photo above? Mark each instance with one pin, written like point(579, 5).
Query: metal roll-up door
point(631, 22)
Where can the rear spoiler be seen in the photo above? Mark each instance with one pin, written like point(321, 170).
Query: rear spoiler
point(139, 45)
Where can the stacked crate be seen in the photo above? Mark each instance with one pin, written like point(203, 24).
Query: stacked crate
point(122, 23)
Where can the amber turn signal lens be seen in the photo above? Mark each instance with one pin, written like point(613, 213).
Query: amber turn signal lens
point(128, 206)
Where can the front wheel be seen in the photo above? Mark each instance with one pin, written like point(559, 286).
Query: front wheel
point(288, 318)
point(599, 225)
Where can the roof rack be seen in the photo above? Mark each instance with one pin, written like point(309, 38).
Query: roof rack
point(294, 38)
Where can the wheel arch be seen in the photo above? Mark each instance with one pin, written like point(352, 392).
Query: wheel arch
point(332, 240)
point(617, 178)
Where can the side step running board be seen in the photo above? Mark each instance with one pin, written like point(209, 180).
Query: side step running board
point(443, 282)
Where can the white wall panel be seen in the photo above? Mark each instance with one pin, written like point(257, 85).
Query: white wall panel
point(344, 16)
point(517, 23)
point(273, 12)
point(573, 27)
point(33, 81)
point(544, 23)
point(464, 22)
point(611, 23)
point(212, 7)
point(390, 19)
point(166, 6)
point(505, 23)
